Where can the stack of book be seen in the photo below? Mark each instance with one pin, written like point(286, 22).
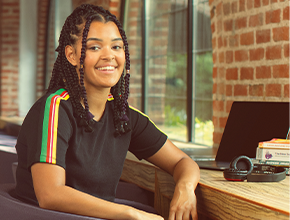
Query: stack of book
point(274, 152)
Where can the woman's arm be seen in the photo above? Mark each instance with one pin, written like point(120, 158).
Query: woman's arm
point(52, 193)
point(186, 176)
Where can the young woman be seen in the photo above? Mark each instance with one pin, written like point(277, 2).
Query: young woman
point(74, 140)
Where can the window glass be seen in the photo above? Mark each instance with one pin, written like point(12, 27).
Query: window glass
point(164, 34)
point(202, 55)
point(167, 69)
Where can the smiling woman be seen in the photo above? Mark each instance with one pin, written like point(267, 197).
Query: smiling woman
point(74, 140)
point(104, 60)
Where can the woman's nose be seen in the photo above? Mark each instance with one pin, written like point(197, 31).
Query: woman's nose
point(107, 55)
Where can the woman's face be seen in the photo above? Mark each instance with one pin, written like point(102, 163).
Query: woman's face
point(105, 56)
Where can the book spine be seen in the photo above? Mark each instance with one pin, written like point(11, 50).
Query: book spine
point(274, 145)
point(272, 154)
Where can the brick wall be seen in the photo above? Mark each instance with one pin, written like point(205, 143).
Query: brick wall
point(250, 40)
point(9, 56)
point(112, 5)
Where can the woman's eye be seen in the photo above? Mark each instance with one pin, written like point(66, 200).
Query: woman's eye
point(117, 47)
point(94, 48)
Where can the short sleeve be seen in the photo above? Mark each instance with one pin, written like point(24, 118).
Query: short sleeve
point(47, 130)
point(146, 137)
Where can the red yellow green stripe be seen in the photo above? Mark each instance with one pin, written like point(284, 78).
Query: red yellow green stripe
point(50, 126)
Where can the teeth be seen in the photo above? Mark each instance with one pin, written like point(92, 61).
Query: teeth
point(106, 68)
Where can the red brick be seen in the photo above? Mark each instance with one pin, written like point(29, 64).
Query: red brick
point(225, 41)
point(240, 90)
point(229, 56)
point(241, 55)
point(273, 16)
point(234, 7)
point(234, 41)
point(273, 90)
point(213, 42)
point(281, 33)
point(263, 36)
point(273, 52)
point(257, 54)
point(220, 42)
point(221, 88)
point(228, 25)
point(229, 90)
point(218, 105)
point(286, 90)
point(232, 74)
point(257, 3)
point(223, 121)
point(221, 73)
point(247, 38)
point(265, 2)
point(281, 71)
point(114, 4)
point(256, 90)
point(214, 72)
point(229, 105)
point(215, 121)
point(216, 137)
point(247, 73)
point(286, 50)
point(221, 57)
point(241, 23)
point(256, 20)
point(249, 4)
point(227, 8)
point(212, 28)
point(286, 14)
point(242, 5)
point(219, 9)
point(214, 58)
point(263, 72)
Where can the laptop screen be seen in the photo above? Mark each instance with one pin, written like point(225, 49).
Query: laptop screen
point(250, 123)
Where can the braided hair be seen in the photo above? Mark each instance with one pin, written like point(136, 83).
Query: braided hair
point(64, 74)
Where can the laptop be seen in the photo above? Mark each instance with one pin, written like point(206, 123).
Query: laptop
point(248, 124)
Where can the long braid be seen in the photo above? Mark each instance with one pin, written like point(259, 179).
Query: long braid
point(65, 75)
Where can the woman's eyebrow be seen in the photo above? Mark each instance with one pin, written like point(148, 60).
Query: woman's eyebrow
point(98, 39)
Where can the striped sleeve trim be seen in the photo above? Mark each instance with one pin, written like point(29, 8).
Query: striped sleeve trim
point(50, 125)
point(146, 117)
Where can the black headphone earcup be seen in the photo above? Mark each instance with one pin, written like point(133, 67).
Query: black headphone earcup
point(242, 163)
point(240, 167)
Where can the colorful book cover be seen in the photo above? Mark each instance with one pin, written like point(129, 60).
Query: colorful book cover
point(273, 154)
point(275, 143)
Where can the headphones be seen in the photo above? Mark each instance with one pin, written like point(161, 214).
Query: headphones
point(242, 168)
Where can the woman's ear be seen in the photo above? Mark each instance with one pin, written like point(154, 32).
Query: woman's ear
point(71, 55)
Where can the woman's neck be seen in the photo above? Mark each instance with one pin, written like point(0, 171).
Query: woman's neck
point(97, 102)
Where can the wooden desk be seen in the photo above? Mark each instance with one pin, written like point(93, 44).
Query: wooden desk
point(217, 198)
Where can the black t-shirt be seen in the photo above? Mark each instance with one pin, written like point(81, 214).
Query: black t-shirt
point(93, 161)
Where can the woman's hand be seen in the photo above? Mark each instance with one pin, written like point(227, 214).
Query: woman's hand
point(183, 203)
point(186, 176)
point(141, 215)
